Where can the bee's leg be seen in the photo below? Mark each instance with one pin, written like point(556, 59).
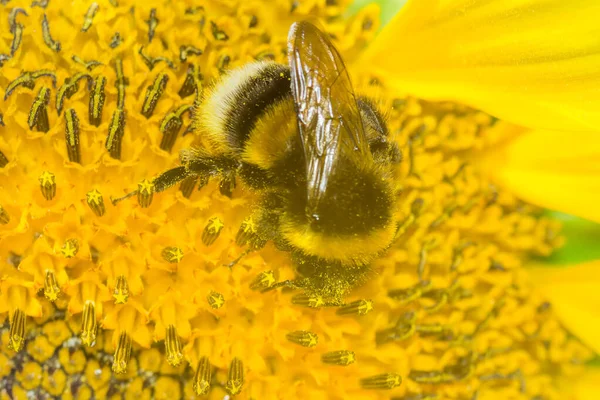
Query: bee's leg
point(170, 178)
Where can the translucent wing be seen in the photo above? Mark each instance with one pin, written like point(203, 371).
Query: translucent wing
point(330, 125)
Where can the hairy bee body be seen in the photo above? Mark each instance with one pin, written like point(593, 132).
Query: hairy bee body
point(320, 158)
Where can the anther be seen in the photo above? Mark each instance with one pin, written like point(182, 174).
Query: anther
point(235, 377)
point(97, 98)
point(382, 381)
point(172, 254)
point(304, 300)
point(38, 114)
point(247, 234)
point(51, 43)
point(88, 324)
point(203, 377)
point(115, 41)
point(70, 87)
point(173, 347)
point(341, 357)
point(215, 300)
point(89, 17)
point(89, 65)
point(16, 338)
point(171, 125)
point(303, 338)
point(72, 136)
point(358, 307)
point(223, 63)
point(121, 291)
point(96, 202)
point(48, 185)
point(122, 354)
point(145, 193)
point(405, 296)
point(153, 93)
point(3, 160)
point(192, 82)
point(263, 281)
point(185, 51)
point(4, 216)
point(212, 230)
point(404, 328)
point(187, 186)
point(51, 289)
point(70, 248)
point(217, 33)
point(116, 130)
point(152, 23)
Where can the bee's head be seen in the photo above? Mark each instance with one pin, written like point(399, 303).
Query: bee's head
point(352, 222)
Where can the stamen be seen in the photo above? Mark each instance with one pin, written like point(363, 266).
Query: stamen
point(4, 216)
point(203, 377)
point(383, 381)
point(12, 17)
point(223, 63)
point(70, 248)
point(173, 347)
point(97, 98)
point(303, 338)
point(89, 65)
point(152, 23)
point(152, 61)
point(122, 354)
point(215, 300)
point(304, 300)
point(171, 125)
point(405, 296)
point(212, 231)
point(3, 160)
point(217, 33)
point(69, 88)
point(38, 114)
point(115, 41)
point(89, 17)
point(121, 291)
point(404, 328)
point(116, 130)
point(172, 254)
point(16, 338)
point(247, 234)
point(341, 357)
point(88, 324)
point(192, 82)
point(48, 185)
point(27, 79)
point(96, 202)
point(235, 377)
point(72, 136)
point(17, 38)
point(187, 186)
point(153, 93)
point(263, 281)
point(51, 43)
point(358, 307)
point(51, 289)
point(186, 50)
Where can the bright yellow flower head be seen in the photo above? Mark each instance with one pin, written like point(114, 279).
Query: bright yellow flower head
point(139, 297)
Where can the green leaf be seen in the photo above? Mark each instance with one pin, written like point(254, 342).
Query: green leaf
point(388, 8)
point(582, 240)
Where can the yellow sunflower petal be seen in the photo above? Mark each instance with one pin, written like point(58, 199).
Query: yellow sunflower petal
point(573, 292)
point(555, 170)
point(532, 62)
point(587, 387)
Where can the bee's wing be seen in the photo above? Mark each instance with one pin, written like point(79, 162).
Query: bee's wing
point(328, 117)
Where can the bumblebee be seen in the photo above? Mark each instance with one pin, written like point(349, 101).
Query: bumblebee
point(319, 156)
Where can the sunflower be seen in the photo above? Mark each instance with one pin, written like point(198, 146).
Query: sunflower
point(105, 296)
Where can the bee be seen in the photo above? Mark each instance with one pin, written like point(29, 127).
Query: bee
point(319, 156)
